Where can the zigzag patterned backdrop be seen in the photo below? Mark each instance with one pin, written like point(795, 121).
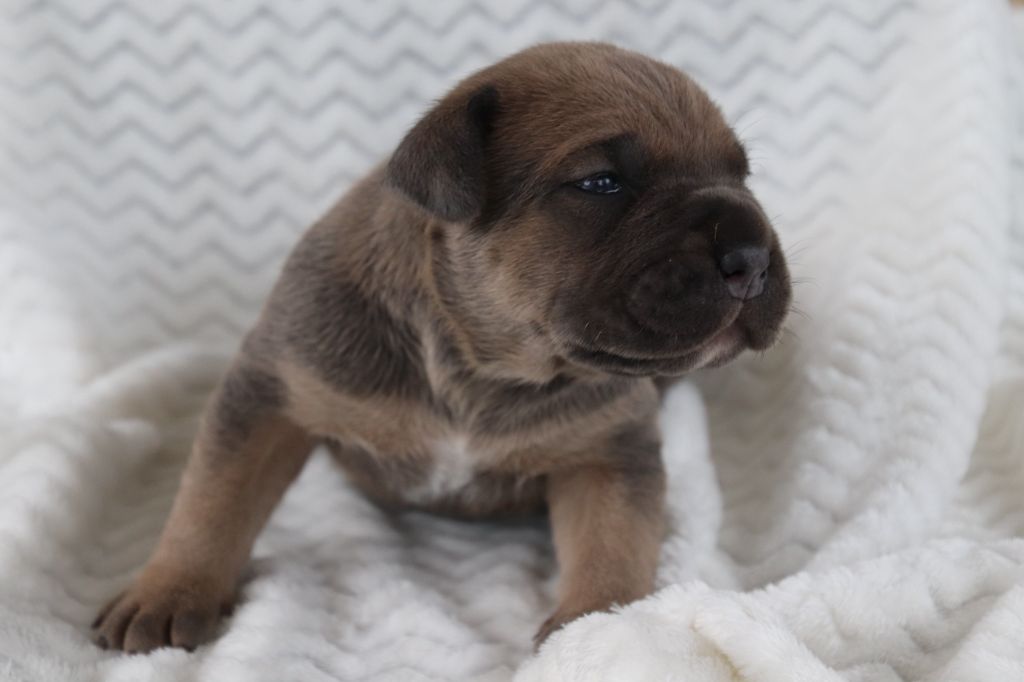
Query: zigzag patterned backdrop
point(158, 159)
point(162, 157)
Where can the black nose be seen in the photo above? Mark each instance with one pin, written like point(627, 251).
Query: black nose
point(745, 270)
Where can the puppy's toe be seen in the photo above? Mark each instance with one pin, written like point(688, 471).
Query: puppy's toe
point(111, 624)
point(147, 631)
point(191, 628)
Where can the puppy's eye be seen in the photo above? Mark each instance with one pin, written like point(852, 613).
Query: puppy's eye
point(600, 183)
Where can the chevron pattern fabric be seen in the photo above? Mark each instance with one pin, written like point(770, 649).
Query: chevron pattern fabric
point(167, 154)
point(846, 507)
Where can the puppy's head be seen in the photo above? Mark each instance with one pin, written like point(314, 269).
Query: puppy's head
point(590, 207)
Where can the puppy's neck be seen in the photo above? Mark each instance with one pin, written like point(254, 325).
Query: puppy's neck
point(395, 251)
point(467, 341)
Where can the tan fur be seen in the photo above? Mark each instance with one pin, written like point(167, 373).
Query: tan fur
point(607, 530)
point(223, 502)
point(471, 334)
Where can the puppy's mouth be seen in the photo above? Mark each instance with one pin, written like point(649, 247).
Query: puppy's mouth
point(717, 350)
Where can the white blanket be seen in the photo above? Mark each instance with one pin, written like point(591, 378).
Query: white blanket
point(848, 506)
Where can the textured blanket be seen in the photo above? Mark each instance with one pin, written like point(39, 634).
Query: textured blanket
point(847, 506)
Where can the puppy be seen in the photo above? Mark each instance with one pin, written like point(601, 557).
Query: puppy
point(477, 327)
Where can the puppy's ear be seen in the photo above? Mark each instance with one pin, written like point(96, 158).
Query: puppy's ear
point(440, 163)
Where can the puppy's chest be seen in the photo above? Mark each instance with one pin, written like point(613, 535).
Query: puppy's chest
point(471, 444)
point(443, 454)
point(451, 465)
point(445, 447)
point(430, 462)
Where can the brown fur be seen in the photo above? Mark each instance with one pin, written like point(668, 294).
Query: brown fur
point(471, 333)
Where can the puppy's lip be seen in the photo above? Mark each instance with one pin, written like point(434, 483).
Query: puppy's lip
point(605, 360)
point(718, 349)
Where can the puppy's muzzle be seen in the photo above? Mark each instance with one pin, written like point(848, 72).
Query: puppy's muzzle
point(717, 260)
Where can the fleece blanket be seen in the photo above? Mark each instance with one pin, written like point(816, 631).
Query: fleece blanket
point(847, 506)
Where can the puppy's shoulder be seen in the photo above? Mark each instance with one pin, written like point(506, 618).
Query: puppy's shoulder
point(331, 312)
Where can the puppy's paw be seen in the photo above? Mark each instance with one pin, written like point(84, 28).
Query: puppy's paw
point(555, 622)
point(162, 610)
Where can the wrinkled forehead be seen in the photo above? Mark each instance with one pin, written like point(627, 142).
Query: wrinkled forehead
point(640, 143)
point(642, 152)
point(613, 115)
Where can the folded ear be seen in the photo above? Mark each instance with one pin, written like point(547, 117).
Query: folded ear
point(440, 163)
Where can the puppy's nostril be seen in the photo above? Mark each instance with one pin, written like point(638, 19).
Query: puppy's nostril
point(745, 270)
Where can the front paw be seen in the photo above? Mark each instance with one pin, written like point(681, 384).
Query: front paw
point(555, 622)
point(162, 609)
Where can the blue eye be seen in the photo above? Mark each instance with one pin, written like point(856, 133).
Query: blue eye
point(601, 183)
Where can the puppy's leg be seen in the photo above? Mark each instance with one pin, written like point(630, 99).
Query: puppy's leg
point(245, 456)
point(608, 524)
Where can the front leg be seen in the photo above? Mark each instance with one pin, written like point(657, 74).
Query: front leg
point(244, 457)
point(607, 519)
